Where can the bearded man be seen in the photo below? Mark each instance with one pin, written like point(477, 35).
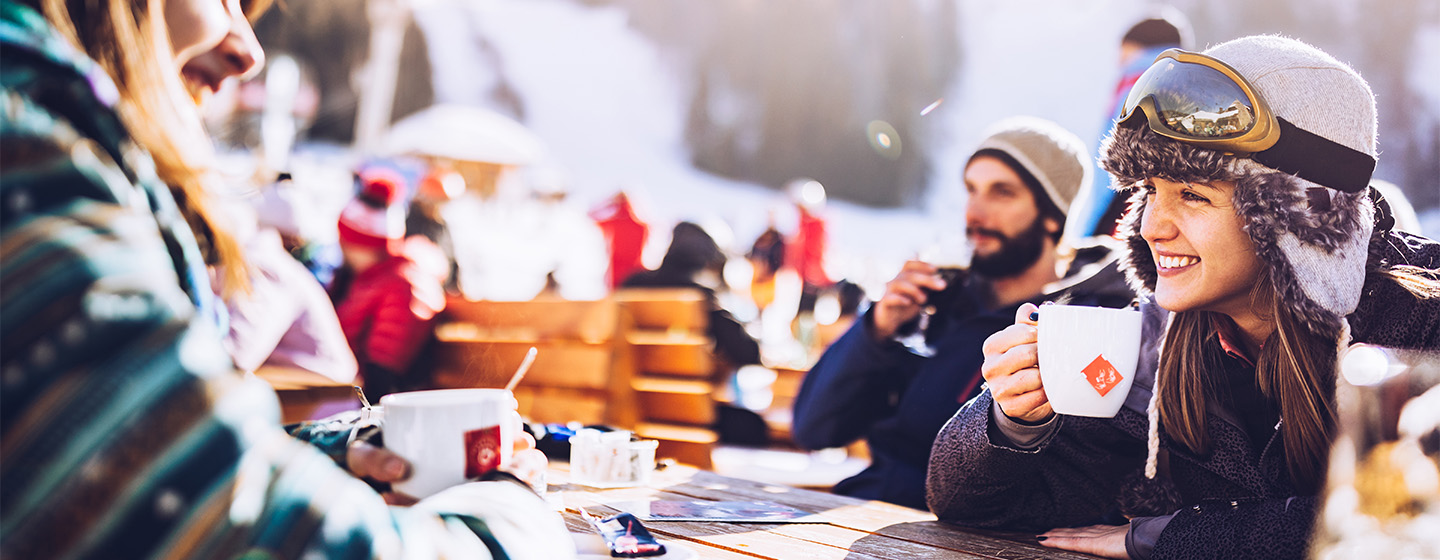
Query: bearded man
point(1021, 180)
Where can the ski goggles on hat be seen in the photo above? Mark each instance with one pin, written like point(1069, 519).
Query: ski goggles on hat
point(1204, 102)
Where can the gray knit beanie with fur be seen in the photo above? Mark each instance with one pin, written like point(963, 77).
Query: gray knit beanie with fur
point(1316, 255)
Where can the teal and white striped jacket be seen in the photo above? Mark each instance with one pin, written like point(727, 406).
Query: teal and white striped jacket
point(127, 433)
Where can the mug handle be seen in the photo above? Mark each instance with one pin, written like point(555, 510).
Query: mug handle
point(517, 425)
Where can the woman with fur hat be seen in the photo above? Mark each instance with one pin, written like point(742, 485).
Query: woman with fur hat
point(1263, 255)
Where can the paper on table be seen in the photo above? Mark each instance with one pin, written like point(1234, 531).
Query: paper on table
point(731, 512)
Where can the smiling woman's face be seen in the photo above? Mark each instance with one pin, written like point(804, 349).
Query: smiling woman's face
point(211, 40)
point(1203, 258)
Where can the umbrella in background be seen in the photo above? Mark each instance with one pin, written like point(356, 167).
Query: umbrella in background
point(466, 134)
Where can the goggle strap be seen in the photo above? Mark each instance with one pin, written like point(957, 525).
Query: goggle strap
point(1316, 159)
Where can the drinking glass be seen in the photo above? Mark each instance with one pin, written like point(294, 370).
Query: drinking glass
point(951, 258)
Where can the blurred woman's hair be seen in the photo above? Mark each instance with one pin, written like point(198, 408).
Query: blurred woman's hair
point(691, 250)
point(1163, 27)
point(130, 41)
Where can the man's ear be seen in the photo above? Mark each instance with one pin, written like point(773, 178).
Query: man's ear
point(1052, 225)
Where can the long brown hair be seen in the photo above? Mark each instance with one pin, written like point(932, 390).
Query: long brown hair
point(128, 39)
point(1294, 369)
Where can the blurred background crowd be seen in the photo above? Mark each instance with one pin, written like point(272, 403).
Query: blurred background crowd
point(550, 147)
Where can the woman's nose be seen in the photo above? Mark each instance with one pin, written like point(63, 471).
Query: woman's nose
point(1155, 222)
point(243, 55)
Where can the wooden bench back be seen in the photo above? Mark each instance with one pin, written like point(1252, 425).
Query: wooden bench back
point(536, 320)
point(665, 329)
point(665, 309)
point(639, 360)
point(581, 371)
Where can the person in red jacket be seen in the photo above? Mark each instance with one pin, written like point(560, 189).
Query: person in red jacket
point(385, 301)
point(626, 235)
point(805, 252)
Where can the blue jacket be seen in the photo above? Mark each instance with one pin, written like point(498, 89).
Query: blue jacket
point(1091, 211)
point(898, 401)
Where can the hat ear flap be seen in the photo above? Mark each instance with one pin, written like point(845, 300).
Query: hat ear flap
point(1316, 259)
point(1137, 262)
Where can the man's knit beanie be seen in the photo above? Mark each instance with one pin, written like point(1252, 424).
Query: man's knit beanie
point(1055, 157)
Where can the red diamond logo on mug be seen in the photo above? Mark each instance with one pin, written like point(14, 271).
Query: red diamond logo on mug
point(482, 451)
point(1102, 376)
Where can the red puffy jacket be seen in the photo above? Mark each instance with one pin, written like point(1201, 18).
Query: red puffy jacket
point(387, 313)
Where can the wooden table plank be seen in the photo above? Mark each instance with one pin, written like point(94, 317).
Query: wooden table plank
point(306, 395)
point(844, 511)
point(855, 529)
point(284, 378)
point(761, 540)
point(860, 544)
point(986, 543)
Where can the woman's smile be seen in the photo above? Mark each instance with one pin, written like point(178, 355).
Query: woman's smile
point(1169, 265)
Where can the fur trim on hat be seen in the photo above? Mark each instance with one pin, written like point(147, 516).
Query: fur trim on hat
point(1316, 259)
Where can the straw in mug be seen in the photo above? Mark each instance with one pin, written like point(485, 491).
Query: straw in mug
point(361, 393)
point(524, 367)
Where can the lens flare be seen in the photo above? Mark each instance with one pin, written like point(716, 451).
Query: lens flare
point(884, 139)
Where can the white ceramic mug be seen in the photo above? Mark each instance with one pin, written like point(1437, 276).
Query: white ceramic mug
point(1088, 357)
point(449, 436)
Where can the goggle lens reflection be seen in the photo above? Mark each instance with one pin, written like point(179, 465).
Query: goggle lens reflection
point(1193, 100)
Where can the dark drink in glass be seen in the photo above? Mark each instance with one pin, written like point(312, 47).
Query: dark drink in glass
point(916, 333)
point(954, 278)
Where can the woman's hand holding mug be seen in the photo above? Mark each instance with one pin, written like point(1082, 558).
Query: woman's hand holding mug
point(1012, 369)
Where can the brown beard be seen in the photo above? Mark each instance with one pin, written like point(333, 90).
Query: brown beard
point(1017, 253)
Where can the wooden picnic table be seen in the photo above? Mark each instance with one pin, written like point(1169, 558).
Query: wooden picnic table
point(854, 529)
point(306, 395)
